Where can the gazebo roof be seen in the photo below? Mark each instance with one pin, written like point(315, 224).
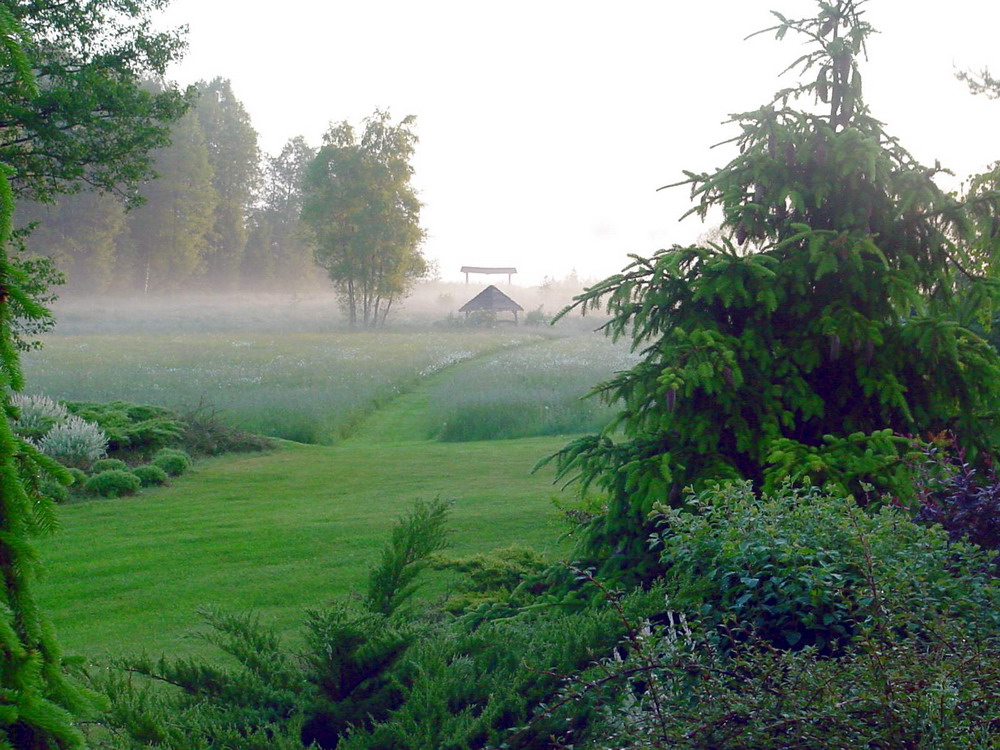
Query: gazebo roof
point(492, 299)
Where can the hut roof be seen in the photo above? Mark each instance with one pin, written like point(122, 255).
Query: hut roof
point(493, 299)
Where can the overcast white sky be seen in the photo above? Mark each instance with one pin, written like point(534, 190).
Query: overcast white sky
point(547, 125)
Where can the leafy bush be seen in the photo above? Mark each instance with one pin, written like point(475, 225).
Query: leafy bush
point(794, 568)
point(174, 462)
point(54, 490)
point(107, 464)
point(537, 317)
point(36, 414)
point(79, 478)
point(75, 442)
point(916, 619)
point(150, 475)
point(952, 493)
point(114, 483)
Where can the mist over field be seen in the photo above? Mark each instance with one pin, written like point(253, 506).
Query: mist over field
point(432, 304)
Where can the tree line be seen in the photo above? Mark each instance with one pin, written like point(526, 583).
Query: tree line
point(220, 215)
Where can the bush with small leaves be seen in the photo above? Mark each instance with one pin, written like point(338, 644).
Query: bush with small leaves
point(917, 617)
point(150, 475)
point(36, 414)
point(79, 478)
point(55, 490)
point(114, 483)
point(108, 464)
point(74, 443)
point(174, 462)
point(801, 567)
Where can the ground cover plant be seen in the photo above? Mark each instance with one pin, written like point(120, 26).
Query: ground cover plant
point(303, 387)
point(373, 671)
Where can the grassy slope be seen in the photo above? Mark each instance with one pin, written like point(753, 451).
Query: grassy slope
point(277, 533)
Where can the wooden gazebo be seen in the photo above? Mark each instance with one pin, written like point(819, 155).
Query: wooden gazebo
point(492, 300)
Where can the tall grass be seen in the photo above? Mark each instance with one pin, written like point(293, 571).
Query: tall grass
point(306, 387)
point(527, 392)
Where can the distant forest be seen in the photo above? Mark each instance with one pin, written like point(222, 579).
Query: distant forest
point(222, 216)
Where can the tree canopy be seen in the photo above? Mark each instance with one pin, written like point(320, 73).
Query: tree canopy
point(365, 216)
point(88, 120)
point(835, 315)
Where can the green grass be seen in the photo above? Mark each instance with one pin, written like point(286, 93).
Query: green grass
point(310, 387)
point(528, 392)
point(281, 532)
point(276, 534)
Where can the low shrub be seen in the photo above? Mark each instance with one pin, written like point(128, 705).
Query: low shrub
point(206, 434)
point(150, 475)
point(965, 502)
point(173, 461)
point(79, 478)
point(36, 414)
point(903, 626)
point(74, 442)
point(672, 687)
point(374, 673)
point(134, 427)
point(800, 568)
point(505, 577)
point(108, 464)
point(114, 483)
point(54, 490)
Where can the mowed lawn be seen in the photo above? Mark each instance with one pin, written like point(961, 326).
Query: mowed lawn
point(277, 534)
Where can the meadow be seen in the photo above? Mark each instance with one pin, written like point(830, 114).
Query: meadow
point(390, 418)
point(307, 387)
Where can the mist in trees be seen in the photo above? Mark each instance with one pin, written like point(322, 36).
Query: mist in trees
point(212, 213)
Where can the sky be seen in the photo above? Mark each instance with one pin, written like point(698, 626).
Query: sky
point(546, 126)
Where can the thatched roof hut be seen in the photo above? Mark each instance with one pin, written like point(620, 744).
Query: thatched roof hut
point(492, 300)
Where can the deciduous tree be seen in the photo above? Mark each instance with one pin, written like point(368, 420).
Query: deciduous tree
point(278, 251)
point(168, 237)
point(364, 215)
point(88, 120)
point(834, 315)
point(234, 158)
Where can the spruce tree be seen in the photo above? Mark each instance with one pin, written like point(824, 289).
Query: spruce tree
point(37, 701)
point(835, 316)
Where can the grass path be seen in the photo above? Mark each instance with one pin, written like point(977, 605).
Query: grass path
point(281, 532)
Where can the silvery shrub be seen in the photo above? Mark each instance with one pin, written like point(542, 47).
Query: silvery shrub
point(74, 442)
point(37, 414)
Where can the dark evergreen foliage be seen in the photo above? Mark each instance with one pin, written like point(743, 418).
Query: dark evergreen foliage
point(40, 703)
point(835, 313)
